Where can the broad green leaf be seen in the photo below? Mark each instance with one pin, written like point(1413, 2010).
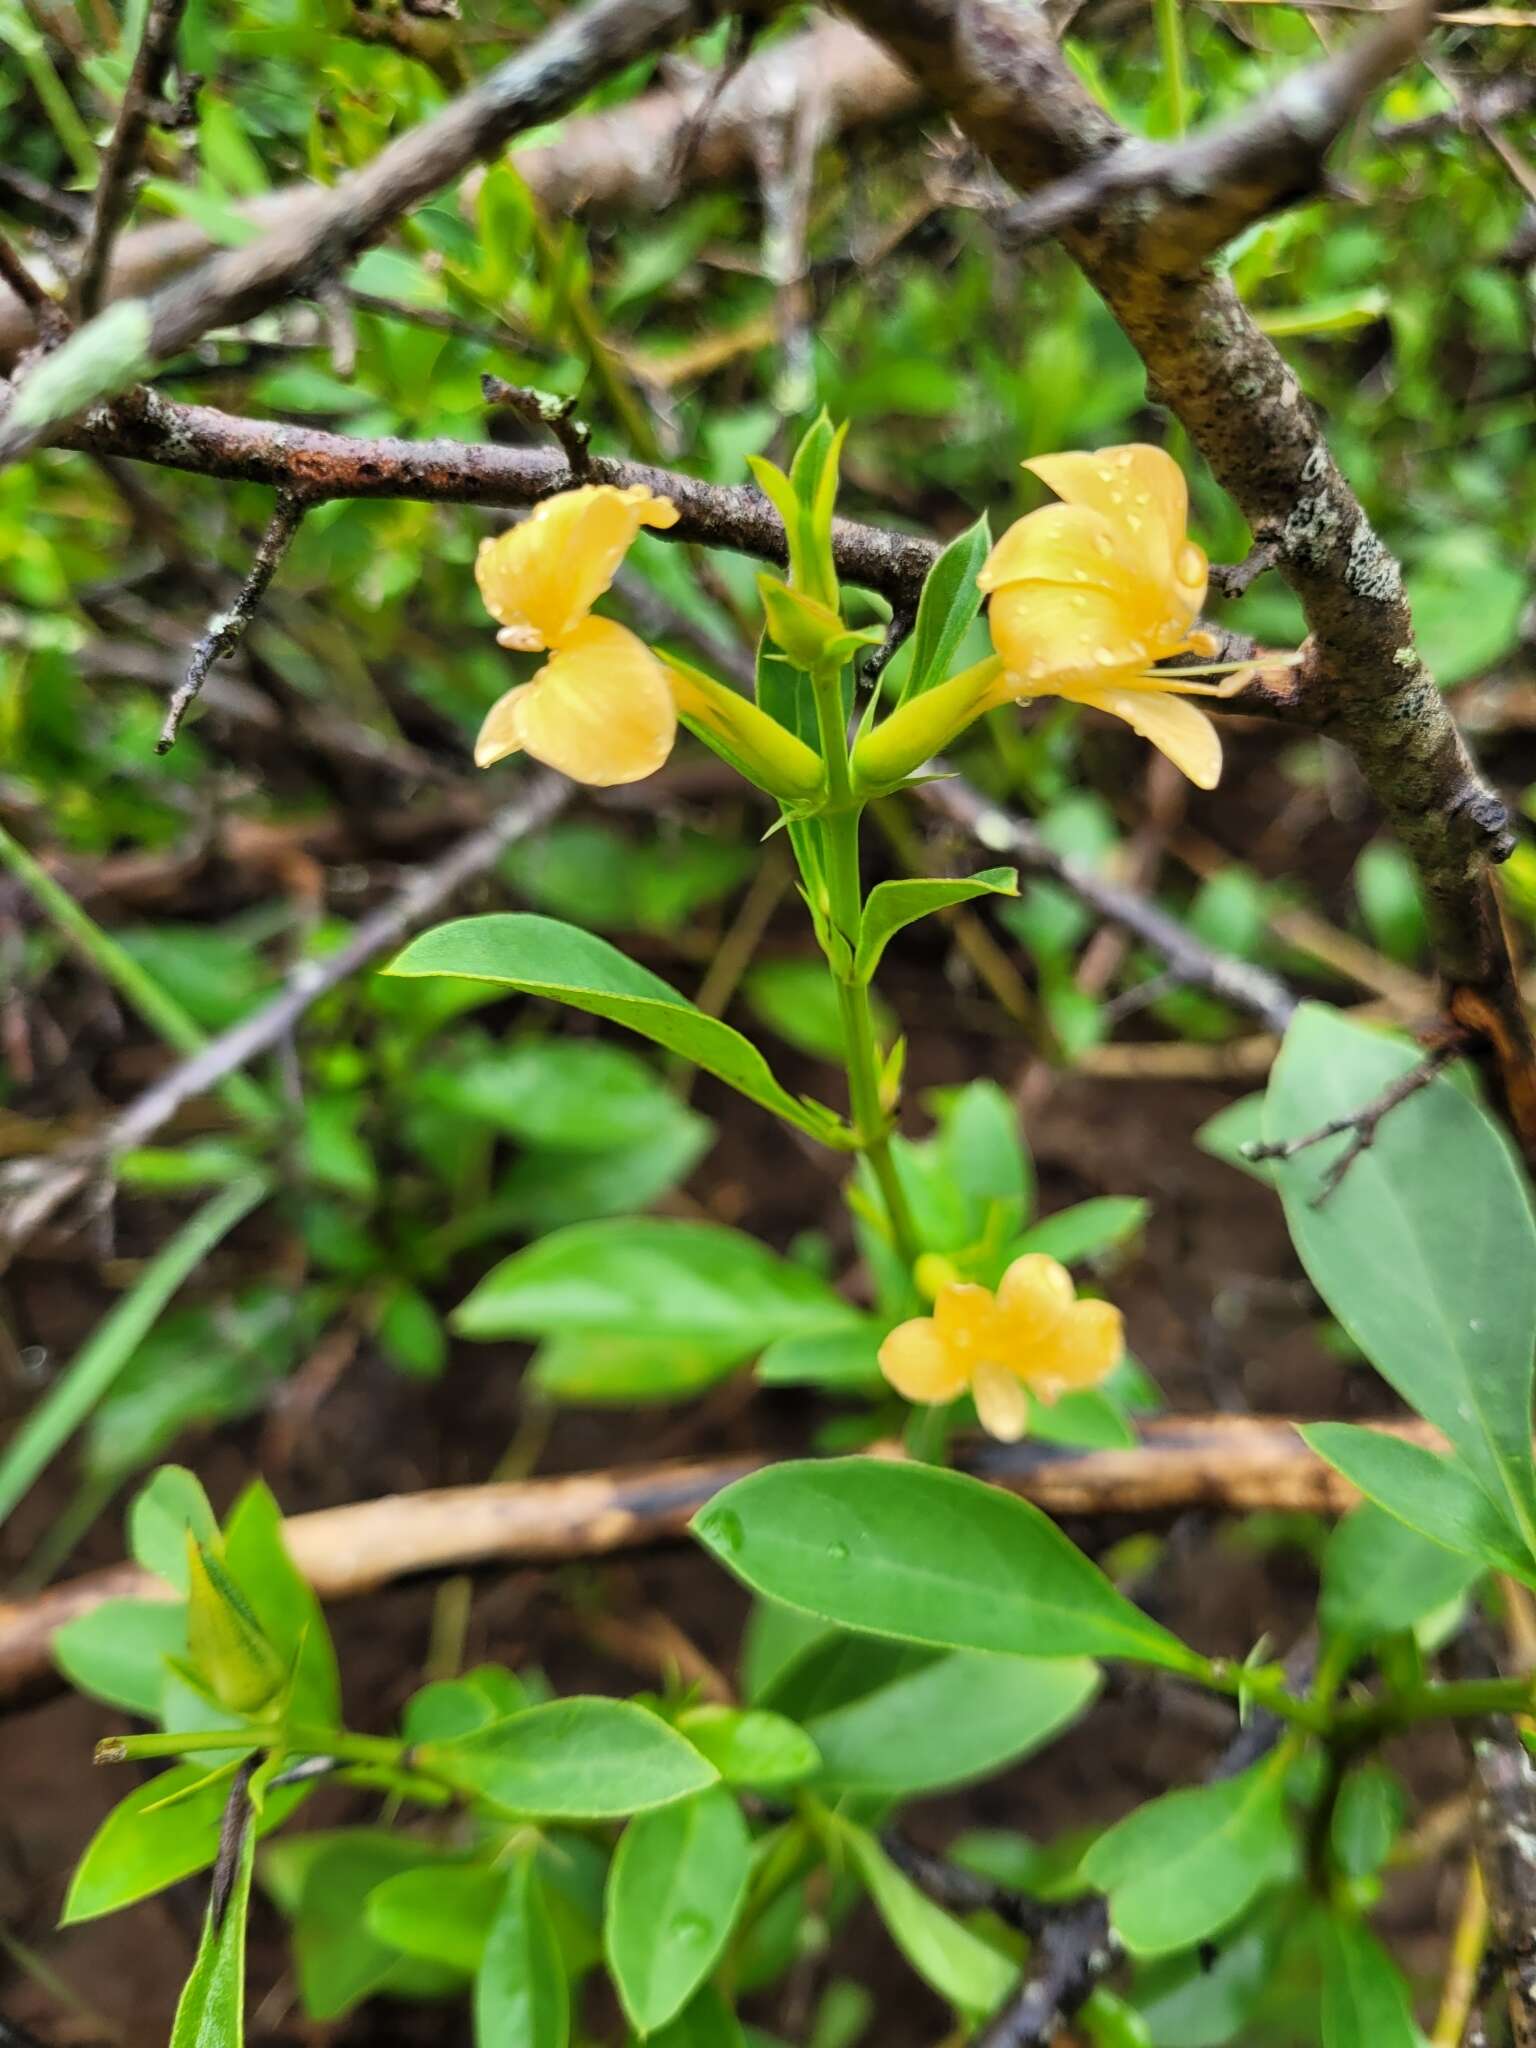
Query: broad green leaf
point(284, 1603)
point(949, 603)
point(1430, 1493)
point(1365, 2001)
point(775, 1640)
point(1367, 1815)
point(323, 1883)
point(211, 2010)
point(136, 1852)
point(676, 1885)
point(981, 1147)
point(1182, 1867)
point(926, 1556)
point(956, 1719)
point(750, 1746)
point(446, 1709)
point(1200, 2000)
point(843, 1361)
point(1426, 1251)
point(1225, 1134)
point(652, 1277)
point(543, 1191)
point(797, 1000)
point(1380, 1576)
point(116, 1652)
point(522, 1999)
point(587, 1369)
point(542, 957)
point(442, 1913)
point(1087, 1229)
point(574, 1759)
point(967, 1971)
point(161, 1513)
point(891, 905)
point(561, 1094)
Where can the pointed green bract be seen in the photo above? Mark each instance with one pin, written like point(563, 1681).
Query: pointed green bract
point(947, 608)
point(541, 956)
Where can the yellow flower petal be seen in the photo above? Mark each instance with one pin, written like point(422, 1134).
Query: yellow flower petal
point(965, 1317)
point(919, 1365)
point(1002, 1405)
point(1174, 725)
point(1090, 1345)
point(1141, 491)
point(600, 709)
point(1052, 635)
point(502, 732)
point(1034, 1296)
point(540, 579)
point(1057, 544)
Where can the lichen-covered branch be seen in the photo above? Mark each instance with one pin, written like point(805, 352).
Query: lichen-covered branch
point(995, 68)
point(224, 633)
point(322, 229)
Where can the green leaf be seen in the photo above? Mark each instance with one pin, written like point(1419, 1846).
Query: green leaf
point(967, 1971)
point(1430, 1493)
point(676, 1884)
point(1367, 1815)
point(891, 905)
point(542, 957)
point(105, 356)
point(949, 603)
point(982, 1150)
point(926, 1556)
point(111, 1345)
point(116, 1652)
point(705, 2022)
point(797, 999)
point(586, 1369)
point(560, 1094)
point(750, 1746)
point(843, 1361)
point(211, 2010)
point(323, 1882)
point(1380, 1576)
point(170, 1503)
point(655, 1278)
point(574, 1759)
point(1426, 1251)
point(522, 1999)
point(136, 1852)
point(441, 1913)
point(1226, 1134)
point(1087, 1229)
point(1182, 1867)
point(1365, 2001)
point(953, 1720)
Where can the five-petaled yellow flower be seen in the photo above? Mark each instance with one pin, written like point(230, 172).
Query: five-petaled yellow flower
point(602, 709)
point(1088, 594)
point(1032, 1337)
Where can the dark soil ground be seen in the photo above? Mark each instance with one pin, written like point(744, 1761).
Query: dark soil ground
point(1214, 1238)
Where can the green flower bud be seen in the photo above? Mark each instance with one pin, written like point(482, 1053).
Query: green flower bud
point(923, 726)
point(225, 1643)
point(755, 744)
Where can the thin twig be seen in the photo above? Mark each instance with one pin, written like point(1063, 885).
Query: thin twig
point(49, 316)
point(1196, 965)
point(1231, 579)
point(52, 1181)
point(224, 633)
point(120, 163)
point(1235, 1463)
point(556, 415)
point(1362, 1124)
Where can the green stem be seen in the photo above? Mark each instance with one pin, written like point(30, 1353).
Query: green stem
point(1170, 41)
point(282, 1740)
point(1267, 1689)
point(845, 914)
point(1457, 1699)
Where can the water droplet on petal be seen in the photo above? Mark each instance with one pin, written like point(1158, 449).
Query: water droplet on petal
point(1104, 544)
point(1117, 497)
point(1105, 475)
point(1142, 498)
point(1106, 657)
point(1191, 563)
point(1036, 669)
point(1078, 603)
point(1133, 521)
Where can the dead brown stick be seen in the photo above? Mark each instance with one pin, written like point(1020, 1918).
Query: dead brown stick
point(1234, 1463)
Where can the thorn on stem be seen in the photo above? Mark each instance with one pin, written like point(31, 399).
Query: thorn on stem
point(556, 415)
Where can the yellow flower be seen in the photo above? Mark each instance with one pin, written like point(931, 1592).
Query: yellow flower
point(1087, 595)
point(1032, 1337)
point(601, 709)
point(540, 579)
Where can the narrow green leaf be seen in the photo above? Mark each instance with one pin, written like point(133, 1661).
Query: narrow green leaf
point(926, 1556)
point(115, 1339)
point(675, 1887)
point(211, 2011)
point(893, 904)
point(284, 1603)
point(750, 1746)
point(1430, 1493)
point(947, 608)
point(844, 1361)
point(967, 1971)
point(1087, 1229)
point(1365, 2001)
point(1182, 1867)
point(323, 1882)
point(543, 957)
point(522, 1999)
point(657, 1278)
point(574, 1759)
point(1426, 1250)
